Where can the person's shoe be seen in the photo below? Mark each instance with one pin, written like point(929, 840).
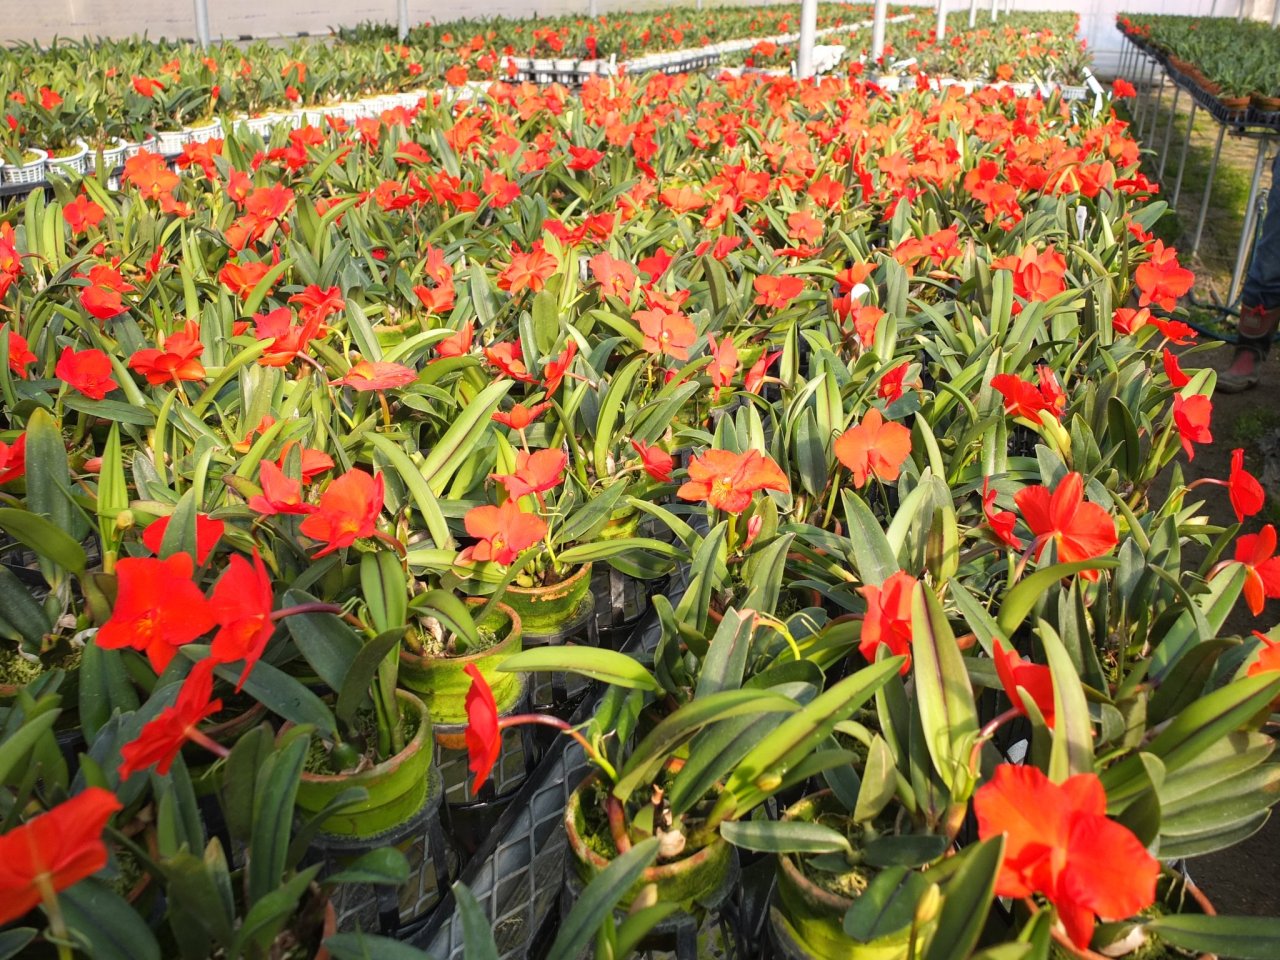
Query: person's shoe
point(1233, 381)
point(1257, 327)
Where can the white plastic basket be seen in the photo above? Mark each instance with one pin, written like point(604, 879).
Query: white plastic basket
point(31, 172)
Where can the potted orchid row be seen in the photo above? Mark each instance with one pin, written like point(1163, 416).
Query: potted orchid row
point(309, 447)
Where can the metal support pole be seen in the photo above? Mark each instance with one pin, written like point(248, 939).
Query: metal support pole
point(940, 30)
point(1240, 11)
point(877, 29)
point(402, 19)
point(1144, 97)
point(1155, 112)
point(1275, 15)
point(1208, 191)
point(1182, 160)
point(1140, 96)
point(808, 31)
point(1168, 132)
point(973, 13)
point(202, 22)
point(993, 11)
point(1250, 219)
point(591, 9)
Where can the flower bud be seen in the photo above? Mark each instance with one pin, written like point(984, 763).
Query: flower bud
point(124, 520)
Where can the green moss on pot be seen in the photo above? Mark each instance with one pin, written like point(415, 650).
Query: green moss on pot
point(810, 916)
point(397, 787)
point(441, 681)
point(545, 610)
point(695, 878)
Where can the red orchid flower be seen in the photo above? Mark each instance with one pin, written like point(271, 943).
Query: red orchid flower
point(81, 214)
point(13, 459)
point(1019, 676)
point(86, 371)
point(1002, 521)
point(208, 532)
point(242, 602)
point(727, 481)
point(347, 512)
point(754, 380)
point(617, 278)
point(509, 358)
point(890, 387)
point(316, 305)
point(1262, 567)
point(280, 494)
point(554, 370)
point(376, 375)
point(667, 332)
point(724, 362)
point(1173, 370)
point(1268, 658)
point(535, 472)
point(314, 462)
point(519, 417)
point(1060, 844)
point(175, 360)
point(163, 737)
point(1243, 489)
point(20, 355)
point(682, 200)
point(777, 292)
point(875, 447)
point(150, 173)
point(528, 271)
point(483, 736)
point(888, 617)
point(1161, 280)
point(54, 851)
point(1080, 529)
point(1026, 400)
point(158, 608)
point(1191, 416)
point(502, 532)
point(657, 463)
point(1127, 320)
point(1037, 276)
point(457, 345)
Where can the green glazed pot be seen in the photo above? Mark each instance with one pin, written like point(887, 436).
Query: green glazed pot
point(397, 787)
point(622, 524)
point(809, 920)
point(442, 682)
point(544, 610)
point(696, 879)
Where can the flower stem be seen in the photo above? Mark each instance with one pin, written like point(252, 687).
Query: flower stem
point(986, 734)
point(53, 910)
point(555, 722)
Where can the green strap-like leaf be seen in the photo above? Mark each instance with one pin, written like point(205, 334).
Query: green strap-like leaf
point(784, 836)
point(1241, 938)
point(602, 895)
point(607, 665)
point(947, 712)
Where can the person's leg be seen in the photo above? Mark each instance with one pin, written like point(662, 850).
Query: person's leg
point(1260, 299)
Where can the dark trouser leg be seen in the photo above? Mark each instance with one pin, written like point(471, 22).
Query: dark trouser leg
point(1260, 298)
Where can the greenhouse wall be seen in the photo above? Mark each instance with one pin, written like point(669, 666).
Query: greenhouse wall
point(247, 18)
